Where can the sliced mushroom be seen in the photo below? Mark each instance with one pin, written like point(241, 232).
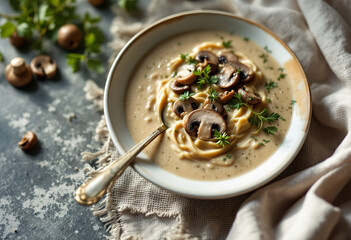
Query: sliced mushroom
point(181, 108)
point(214, 105)
point(179, 88)
point(43, 66)
point(185, 74)
point(203, 122)
point(207, 58)
point(245, 73)
point(249, 96)
point(227, 57)
point(226, 96)
point(228, 76)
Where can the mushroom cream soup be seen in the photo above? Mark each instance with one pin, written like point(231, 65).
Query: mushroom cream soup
point(226, 101)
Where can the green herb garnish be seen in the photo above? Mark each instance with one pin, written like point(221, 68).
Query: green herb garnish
point(267, 49)
point(203, 76)
point(185, 96)
point(222, 138)
point(270, 85)
point(246, 39)
point(128, 5)
point(188, 59)
point(227, 44)
point(270, 130)
point(281, 76)
point(213, 95)
point(293, 102)
point(264, 57)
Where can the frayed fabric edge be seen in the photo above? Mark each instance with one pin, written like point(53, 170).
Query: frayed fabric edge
point(105, 208)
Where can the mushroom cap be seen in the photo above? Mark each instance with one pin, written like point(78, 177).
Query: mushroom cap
point(248, 95)
point(226, 96)
point(203, 122)
point(28, 141)
point(16, 40)
point(18, 73)
point(179, 88)
point(43, 66)
point(245, 74)
point(225, 57)
point(96, 3)
point(207, 58)
point(69, 36)
point(228, 77)
point(185, 74)
point(214, 105)
point(181, 108)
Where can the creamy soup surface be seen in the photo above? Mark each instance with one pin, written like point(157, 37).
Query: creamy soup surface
point(175, 150)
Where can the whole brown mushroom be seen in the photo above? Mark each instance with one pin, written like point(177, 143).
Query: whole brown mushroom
point(16, 40)
point(96, 3)
point(18, 73)
point(69, 36)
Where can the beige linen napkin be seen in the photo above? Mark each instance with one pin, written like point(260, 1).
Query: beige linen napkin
point(315, 202)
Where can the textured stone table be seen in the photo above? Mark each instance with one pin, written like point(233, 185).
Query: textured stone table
point(36, 191)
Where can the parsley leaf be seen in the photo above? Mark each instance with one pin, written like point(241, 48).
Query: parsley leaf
point(7, 29)
point(188, 59)
point(270, 85)
point(236, 102)
point(293, 102)
point(185, 96)
point(270, 130)
point(267, 49)
point(213, 95)
point(281, 76)
point(1, 57)
point(73, 60)
point(227, 44)
point(203, 76)
point(222, 138)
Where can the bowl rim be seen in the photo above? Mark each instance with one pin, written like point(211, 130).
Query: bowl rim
point(180, 15)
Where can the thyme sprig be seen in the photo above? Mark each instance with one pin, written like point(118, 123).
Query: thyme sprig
point(222, 138)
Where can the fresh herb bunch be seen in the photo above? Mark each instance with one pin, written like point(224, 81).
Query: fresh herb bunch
point(42, 19)
point(258, 118)
point(222, 138)
point(185, 96)
point(204, 77)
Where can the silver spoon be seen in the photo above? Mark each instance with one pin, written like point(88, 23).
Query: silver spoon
point(94, 188)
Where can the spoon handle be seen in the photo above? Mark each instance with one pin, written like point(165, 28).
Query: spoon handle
point(94, 188)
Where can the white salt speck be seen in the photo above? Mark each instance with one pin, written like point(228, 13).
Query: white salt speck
point(20, 123)
point(76, 231)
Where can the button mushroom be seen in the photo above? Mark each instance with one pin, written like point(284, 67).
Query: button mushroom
point(203, 122)
point(181, 108)
point(226, 96)
point(207, 58)
point(228, 76)
point(16, 40)
point(214, 105)
point(245, 73)
point(28, 141)
point(185, 74)
point(179, 88)
point(69, 36)
point(227, 57)
point(18, 73)
point(43, 66)
point(248, 95)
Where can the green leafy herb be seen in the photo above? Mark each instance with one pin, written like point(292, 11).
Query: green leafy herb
point(261, 144)
point(229, 156)
point(7, 29)
point(188, 59)
point(254, 138)
point(270, 130)
point(266, 141)
point(236, 102)
point(222, 138)
point(128, 5)
point(203, 76)
point(270, 85)
point(283, 119)
point(213, 95)
point(264, 57)
point(269, 100)
point(281, 69)
point(267, 49)
point(174, 74)
point(246, 39)
point(227, 44)
point(293, 102)
point(185, 96)
point(258, 118)
point(281, 76)
point(1, 57)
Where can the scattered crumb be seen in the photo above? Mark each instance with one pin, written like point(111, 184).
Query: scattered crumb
point(76, 169)
point(15, 231)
